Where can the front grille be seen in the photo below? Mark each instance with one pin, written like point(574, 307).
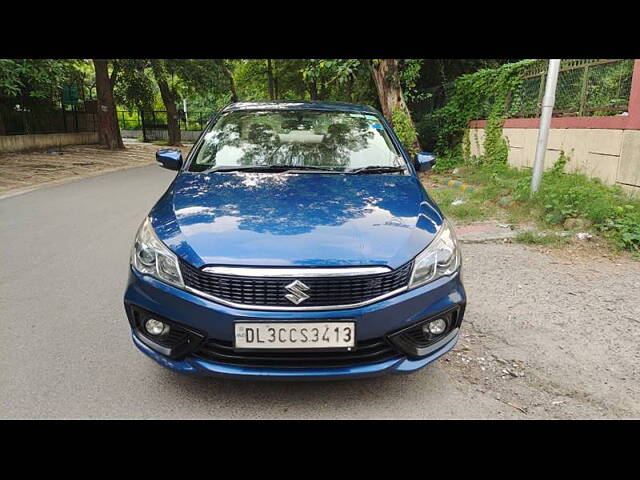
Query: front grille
point(369, 351)
point(323, 291)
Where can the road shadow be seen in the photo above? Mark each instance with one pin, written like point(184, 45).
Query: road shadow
point(376, 397)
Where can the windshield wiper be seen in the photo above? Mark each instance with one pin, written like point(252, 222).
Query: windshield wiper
point(376, 169)
point(270, 168)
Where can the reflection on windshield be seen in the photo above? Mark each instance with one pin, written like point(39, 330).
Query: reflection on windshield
point(301, 138)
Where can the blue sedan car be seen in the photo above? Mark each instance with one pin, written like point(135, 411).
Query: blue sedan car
point(295, 242)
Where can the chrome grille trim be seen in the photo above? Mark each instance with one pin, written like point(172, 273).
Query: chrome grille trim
point(296, 272)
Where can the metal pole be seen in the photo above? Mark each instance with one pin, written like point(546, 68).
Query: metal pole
point(186, 116)
point(548, 100)
point(144, 130)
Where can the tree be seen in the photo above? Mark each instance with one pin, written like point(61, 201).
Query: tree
point(387, 80)
point(135, 88)
point(229, 74)
point(271, 80)
point(327, 78)
point(108, 123)
point(34, 85)
point(169, 98)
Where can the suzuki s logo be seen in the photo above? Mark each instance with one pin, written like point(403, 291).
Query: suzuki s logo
point(297, 290)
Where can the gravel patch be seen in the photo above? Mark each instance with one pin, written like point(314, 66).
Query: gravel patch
point(550, 336)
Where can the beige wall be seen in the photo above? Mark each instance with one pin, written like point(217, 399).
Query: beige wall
point(19, 143)
point(611, 155)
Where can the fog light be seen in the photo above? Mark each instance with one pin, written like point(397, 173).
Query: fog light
point(435, 327)
point(156, 327)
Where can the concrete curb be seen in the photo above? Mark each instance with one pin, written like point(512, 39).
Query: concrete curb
point(484, 232)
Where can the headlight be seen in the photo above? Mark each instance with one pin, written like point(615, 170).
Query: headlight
point(151, 257)
point(441, 257)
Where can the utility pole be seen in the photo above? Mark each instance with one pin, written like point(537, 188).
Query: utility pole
point(548, 100)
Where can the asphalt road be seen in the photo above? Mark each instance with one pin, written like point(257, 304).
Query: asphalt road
point(66, 351)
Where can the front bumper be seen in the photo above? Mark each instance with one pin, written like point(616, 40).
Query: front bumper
point(375, 321)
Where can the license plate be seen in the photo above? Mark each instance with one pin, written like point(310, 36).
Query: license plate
point(333, 335)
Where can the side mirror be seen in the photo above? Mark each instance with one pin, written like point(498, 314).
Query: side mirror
point(170, 159)
point(425, 161)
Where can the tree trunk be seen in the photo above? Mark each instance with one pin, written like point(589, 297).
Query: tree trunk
point(3, 130)
point(109, 130)
point(385, 76)
point(232, 83)
point(276, 90)
point(349, 89)
point(313, 90)
point(322, 95)
point(272, 91)
point(168, 98)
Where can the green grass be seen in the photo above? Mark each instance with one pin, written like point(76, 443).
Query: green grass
point(503, 193)
point(541, 238)
point(473, 208)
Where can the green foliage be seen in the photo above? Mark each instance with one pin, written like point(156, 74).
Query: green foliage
point(409, 73)
point(560, 197)
point(609, 86)
point(563, 196)
point(327, 72)
point(405, 130)
point(135, 87)
point(540, 238)
point(483, 94)
point(189, 77)
point(560, 163)
point(624, 227)
point(448, 162)
point(36, 78)
point(496, 149)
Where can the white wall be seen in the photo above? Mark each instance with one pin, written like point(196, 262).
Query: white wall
point(609, 154)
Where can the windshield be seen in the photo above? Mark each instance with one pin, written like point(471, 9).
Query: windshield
point(328, 140)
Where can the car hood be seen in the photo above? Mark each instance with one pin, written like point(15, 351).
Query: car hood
point(258, 219)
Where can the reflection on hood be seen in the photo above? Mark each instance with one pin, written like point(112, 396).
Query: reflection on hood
point(306, 219)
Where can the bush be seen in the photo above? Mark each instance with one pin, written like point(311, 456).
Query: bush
point(560, 197)
point(405, 130)
point(624, 227)
point(447, 162)
point(482, 94)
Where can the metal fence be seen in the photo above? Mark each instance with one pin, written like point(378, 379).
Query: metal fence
point(157, 120)
point(586, 87)
point(23, 122)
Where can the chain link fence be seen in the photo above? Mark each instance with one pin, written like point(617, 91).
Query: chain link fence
point(586, 87)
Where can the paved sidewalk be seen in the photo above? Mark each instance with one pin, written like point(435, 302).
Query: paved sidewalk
point(21, 172)
point(488, 231)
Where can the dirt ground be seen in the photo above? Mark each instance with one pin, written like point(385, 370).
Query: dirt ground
point(552, 333)
point(24, 171)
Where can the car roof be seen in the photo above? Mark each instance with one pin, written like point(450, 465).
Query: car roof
point(300, 105)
